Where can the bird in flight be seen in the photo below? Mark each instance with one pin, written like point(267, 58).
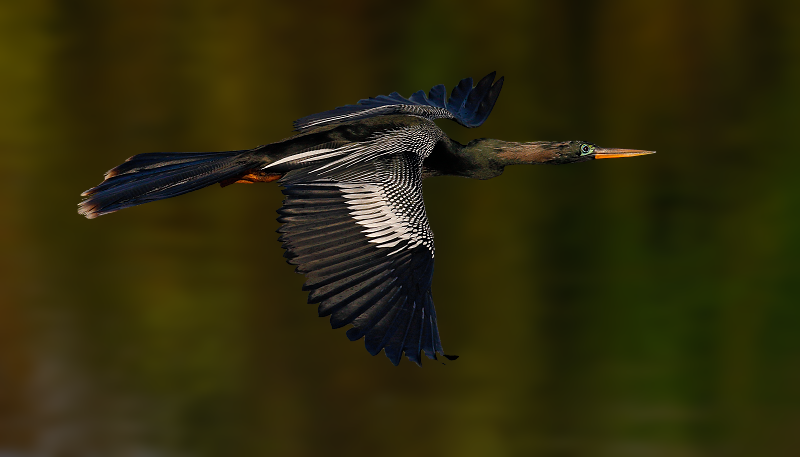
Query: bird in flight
point(353, 218)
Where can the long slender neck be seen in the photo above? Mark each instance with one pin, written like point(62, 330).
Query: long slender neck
point(511, 153)
point(485, 158)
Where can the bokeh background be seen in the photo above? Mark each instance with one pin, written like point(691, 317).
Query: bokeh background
point(640, 307)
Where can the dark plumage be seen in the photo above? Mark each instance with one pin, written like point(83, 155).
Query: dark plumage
point(354, 219)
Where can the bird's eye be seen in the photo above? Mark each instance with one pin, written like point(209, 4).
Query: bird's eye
point(586, 149)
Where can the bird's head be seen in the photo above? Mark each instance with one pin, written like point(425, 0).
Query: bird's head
point(581, 151)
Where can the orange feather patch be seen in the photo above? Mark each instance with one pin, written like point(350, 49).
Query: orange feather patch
point(251, 178)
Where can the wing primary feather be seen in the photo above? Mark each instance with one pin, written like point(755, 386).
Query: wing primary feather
point(305, 216)
point(353, 308)
point(419, 98)
point(319, 278)
point(395, 337)
point(363, 325)
point(398, 315)
point(297, 227)
point(325, 276)
point(374, 340)
point(347, 288)
point(352, 245)
point(426, 342)
point(353, 256)
point(411, 340)
point(313, 236)
point(435, 343)
point(332, 288)
point(328, 245)
point(437, 96)
point(476, 96)
point(312, 202)
point(459, 95)
point(488, 102)
point(317, 212)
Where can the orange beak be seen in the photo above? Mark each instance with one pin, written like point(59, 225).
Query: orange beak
point(611, 153)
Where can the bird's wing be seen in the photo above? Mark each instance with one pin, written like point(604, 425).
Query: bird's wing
point(467, 105)
point(361, 237)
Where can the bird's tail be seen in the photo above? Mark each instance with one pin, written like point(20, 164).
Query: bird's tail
point(154, 176)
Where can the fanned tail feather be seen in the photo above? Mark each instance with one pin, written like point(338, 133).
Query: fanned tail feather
point(158, 175)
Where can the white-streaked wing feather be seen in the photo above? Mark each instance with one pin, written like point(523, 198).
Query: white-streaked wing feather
point(360, 233)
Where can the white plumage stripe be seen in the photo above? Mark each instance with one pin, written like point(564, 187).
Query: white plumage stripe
point(336, 153)
point(377, 233)
point(341, 117)
point(297, 157)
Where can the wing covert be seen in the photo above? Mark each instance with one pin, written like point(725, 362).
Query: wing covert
point(467, 105)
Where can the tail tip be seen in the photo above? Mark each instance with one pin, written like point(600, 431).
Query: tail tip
point(89, 209)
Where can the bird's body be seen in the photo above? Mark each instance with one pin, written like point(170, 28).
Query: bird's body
point(354, 219)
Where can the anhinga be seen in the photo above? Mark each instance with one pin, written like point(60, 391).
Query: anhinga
point(353, 219)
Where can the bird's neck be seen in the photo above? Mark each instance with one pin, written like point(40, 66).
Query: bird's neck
point(512, 153)
point(486, 158)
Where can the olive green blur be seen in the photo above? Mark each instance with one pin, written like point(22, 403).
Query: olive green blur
point(638, 307)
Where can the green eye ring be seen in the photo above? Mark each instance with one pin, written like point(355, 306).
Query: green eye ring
point(586, 149)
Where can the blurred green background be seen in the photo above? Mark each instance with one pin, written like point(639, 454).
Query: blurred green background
point(641, 307)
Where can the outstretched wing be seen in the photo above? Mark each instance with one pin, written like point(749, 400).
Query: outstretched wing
point(361, 237)
point(467, 105)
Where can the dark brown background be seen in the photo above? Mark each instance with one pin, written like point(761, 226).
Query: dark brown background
point(640, 307)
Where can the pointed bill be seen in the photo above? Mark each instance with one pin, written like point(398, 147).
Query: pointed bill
point(612, 153)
